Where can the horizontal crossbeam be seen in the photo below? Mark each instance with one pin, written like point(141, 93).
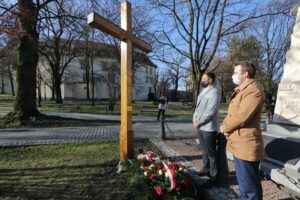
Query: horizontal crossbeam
point(106, 26)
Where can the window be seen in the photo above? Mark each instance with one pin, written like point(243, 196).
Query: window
point(146, 69)
point(151, 80)
point(104, 65)
point(146, 79)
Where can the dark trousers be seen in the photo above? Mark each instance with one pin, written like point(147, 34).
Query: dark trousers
point(162, 112)
point(223, 171)
point(208, 146)
point(247, 174)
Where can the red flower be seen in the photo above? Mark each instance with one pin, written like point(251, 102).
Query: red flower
point(159, 190)
point(152, 176)
point(177, 186)
point(164, 169)
point(146, 169)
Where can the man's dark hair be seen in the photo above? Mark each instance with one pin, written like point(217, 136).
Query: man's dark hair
point(247, 67)
point(211, 75)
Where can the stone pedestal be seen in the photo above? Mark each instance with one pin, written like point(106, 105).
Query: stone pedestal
point(287, 109)
point(282, 139)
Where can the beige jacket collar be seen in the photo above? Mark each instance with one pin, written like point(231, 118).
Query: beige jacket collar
point(242, 87)
point(246, 83)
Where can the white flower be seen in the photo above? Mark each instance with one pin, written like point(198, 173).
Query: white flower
point(145, 173)
point(180, 169)
point(150, 167)
point(140, 156)
point(166, 174)
point(160, 172)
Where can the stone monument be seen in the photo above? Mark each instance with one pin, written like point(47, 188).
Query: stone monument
point(282, 135)
point(287, 108)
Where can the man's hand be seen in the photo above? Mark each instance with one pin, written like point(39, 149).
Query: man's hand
point(222, 131)
point(226, 135)
point(196, 123)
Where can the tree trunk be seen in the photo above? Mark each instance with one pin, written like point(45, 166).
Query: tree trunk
point(52, 90)
point(87, 78)
point(52, 94)
point(58, 98)
point(2, 82)
point(11, 79)
point(40, 97)
point(196, 89)
point(39, 88)
point(25, 103)
point(93, 82)
point(175, 91)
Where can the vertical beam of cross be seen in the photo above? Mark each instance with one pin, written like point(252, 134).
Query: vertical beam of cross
point(126, 132)
point(127, 41)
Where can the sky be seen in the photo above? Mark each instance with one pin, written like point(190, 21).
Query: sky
point(158, 19)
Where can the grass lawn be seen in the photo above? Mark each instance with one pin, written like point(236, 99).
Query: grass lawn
point(71, 171)
point(175, 109)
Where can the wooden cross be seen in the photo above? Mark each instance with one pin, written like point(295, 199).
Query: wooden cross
point(123, 33)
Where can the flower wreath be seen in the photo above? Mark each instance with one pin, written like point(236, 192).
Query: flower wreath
point(164, 176)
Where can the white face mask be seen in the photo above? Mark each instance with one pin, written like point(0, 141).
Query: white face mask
point(236, 80)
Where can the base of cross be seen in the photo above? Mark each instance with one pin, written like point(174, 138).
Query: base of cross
point(121, 167)
point(126, 145)
point(126, 148)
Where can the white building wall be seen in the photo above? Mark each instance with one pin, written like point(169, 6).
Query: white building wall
point(143, 82)
point(101, 90)
point(7, 84)
point(77, 90)
point(73, 87)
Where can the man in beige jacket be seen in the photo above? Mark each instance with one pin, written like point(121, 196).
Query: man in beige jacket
point(241, 126)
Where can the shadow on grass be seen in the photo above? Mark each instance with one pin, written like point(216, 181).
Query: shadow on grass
point(55, 121)
point(72, 171)
point(97, 181)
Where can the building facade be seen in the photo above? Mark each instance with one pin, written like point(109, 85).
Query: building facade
point(104, 76)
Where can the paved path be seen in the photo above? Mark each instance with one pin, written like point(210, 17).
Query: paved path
point(143, 127)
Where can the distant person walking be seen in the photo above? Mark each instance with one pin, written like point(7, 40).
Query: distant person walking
point(162, 105)
point(241, 126)
point(205, 120)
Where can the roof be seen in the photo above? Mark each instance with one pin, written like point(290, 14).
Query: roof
point(100, 49)
point(105, 50)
